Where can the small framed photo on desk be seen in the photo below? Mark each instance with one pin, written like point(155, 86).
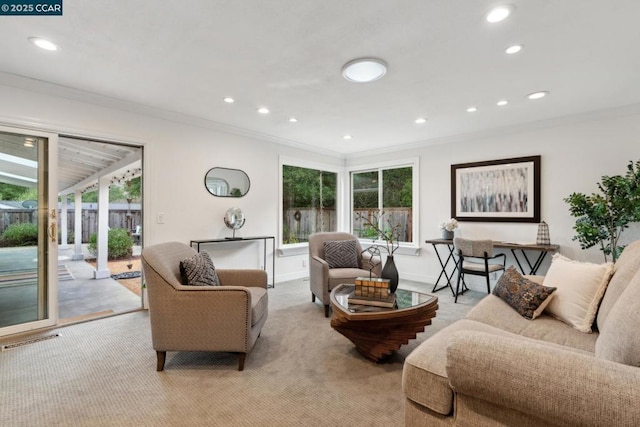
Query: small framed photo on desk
point(506, 190)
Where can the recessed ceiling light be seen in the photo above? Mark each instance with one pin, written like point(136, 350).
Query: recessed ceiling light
point(364, 70)
point(263, 110)
point(347, 137)
point(43, 43)
point(472, 109)
point(229, 100)
point(499, 13)
point(502, 103)
point(293, 120)
point(421, 120)
point(538, 95)
point(514, 49)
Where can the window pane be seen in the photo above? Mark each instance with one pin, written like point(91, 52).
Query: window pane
point(397, 200)
point(365, 203)
point(308, 203)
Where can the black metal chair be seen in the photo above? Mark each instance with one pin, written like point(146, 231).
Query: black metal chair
point(473, 258)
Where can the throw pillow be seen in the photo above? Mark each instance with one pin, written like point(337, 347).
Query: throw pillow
point(528, 298)
point(199, 270)
point(341, 253)
point(581, 286)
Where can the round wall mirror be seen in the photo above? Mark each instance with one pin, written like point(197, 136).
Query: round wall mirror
point(224, 182)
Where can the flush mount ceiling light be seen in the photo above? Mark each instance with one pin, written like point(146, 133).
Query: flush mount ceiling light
point(229, 100)
point(293, 120)
point(364, 70)
point(472, 109)
point(538, 95)
point(347, 137)
point(499, 13)
point(420, 120)
point(43, 43)
point(514, 49)
point(502, 103)
point(263, 110)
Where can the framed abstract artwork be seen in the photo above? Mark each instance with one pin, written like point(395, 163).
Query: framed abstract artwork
point(506, 190)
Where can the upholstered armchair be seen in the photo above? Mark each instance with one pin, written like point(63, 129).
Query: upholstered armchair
point(323, 278)
point(225, 318)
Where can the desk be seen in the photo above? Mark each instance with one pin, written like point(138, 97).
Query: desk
point(514, 247)
point(247, 239)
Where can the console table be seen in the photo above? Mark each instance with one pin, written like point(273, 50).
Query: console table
point(264, 239)
point(514, 247)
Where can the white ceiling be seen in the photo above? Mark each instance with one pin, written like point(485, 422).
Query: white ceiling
point(185, 57)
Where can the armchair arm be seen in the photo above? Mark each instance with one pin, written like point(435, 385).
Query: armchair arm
point(318, 277)
point(243, 277)
point(545, 381)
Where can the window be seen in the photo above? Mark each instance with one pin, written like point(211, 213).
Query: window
point(384, 196)
point(308, 202)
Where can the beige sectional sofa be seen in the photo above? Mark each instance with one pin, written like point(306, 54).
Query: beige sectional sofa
point(494, 367)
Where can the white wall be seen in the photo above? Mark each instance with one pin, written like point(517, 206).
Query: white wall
point(575, 154)
point(176, 159)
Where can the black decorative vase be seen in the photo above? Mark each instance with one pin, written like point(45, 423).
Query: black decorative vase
point(390, 272)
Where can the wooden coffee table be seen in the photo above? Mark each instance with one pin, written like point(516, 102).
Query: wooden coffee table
point(377, 332)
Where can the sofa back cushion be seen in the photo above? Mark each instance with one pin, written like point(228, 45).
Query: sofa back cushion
point(619, 338)
point(623, 271)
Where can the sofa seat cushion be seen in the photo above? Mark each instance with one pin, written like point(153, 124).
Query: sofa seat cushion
point(497, 313)
point(424, 376)
point(259, 303)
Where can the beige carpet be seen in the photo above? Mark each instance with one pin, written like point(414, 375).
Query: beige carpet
point(300, 373)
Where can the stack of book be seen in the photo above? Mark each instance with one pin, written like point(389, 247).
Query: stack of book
point(374, 292)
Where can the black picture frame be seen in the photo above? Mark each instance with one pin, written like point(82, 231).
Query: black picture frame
point(505, 190)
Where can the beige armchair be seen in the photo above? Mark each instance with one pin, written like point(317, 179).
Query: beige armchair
point(225, 318)
point(323, 279)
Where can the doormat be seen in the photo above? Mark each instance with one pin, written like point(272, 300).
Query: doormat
point(126, 275)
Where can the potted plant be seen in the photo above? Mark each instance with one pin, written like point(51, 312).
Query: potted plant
point(390, 234)
point(602, 217)
point(447, 228)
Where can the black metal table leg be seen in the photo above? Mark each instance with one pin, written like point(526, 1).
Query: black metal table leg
point(443, 265)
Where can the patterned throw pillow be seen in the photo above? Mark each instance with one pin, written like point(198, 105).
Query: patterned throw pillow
point(528, 298)
point(341, 253)
point(198, 270)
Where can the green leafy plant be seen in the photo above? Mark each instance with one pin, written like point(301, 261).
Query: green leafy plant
point(23, 234)
point(602, 217)
point(120, 243)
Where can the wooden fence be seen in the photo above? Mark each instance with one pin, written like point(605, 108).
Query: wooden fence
point(302, 222)
point(118, 218)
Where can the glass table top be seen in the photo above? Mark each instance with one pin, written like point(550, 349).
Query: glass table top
point(404, 299)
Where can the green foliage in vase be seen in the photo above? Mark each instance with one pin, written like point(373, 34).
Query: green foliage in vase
point(602, 217)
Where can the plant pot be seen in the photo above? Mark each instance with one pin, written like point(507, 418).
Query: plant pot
point(390, 272)
point(447, 235)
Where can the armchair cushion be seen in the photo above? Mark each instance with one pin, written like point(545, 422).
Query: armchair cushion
point(341, 253)
point(198, 270)
point(526, 297)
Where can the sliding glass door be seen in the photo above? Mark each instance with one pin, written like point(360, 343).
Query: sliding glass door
point(28, 230)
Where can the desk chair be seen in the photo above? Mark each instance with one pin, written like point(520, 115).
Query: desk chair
point(473, 258)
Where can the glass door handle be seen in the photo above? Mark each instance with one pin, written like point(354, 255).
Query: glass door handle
point(53, 228)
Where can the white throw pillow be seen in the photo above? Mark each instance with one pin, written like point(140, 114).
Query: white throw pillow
point(580, 288)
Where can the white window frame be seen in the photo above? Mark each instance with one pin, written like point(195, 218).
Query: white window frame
point(300, 248)
point(406, 248)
